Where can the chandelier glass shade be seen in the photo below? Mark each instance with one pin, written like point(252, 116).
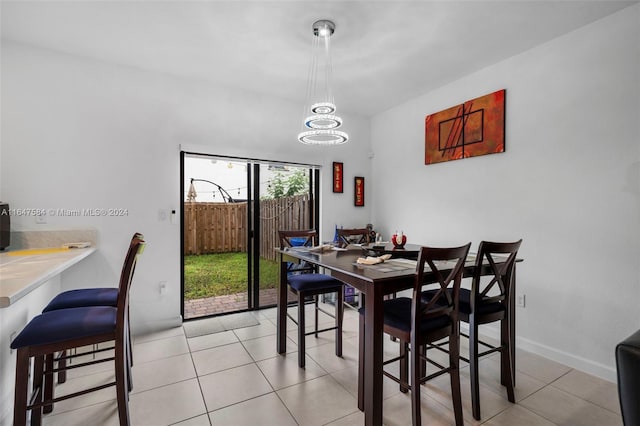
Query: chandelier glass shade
point(320, 128)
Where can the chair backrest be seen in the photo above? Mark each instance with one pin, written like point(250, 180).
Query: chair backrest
point(496, 262)
point(353, 236)
point(136, 247)
point(447, 265)
point(304, 237)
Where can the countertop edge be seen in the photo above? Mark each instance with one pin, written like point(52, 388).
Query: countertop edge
point(7, 301)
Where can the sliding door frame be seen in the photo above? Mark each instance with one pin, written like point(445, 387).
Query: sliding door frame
point(253, 218)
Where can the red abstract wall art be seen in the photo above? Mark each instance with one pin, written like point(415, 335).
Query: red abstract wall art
point(471, 129)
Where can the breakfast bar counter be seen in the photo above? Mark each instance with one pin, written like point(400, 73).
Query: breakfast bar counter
point(25, 270)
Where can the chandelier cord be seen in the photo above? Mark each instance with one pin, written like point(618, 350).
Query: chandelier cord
point(311, 78)
point(328, 70)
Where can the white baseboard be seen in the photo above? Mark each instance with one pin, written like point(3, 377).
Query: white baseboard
point(597, 369)
point(579, 363)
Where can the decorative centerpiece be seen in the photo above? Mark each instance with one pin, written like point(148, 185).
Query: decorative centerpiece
point(399, 240)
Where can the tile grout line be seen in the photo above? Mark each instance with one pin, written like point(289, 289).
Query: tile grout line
point(273, 391)
point(204, 402)
point(552, 384)
point(578, 396)
point(254, 362)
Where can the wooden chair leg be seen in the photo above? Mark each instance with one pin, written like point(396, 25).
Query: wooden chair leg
point(454, 374)
point(122, 394)
point(361, 361)
point(38, 389)
point(130, 347)
point(473, 368)
point(129, 376)
point(415, 385)
point(301, 331)
point(49, 378)
point(506, 362)
point(511, 315)
point(404, 366)
point(423, 362)
point(315, 311)
point(22, 380)
point(129, 352)
point(339, 314)
point(62, 364)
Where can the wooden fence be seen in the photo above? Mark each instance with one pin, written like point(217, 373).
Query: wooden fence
point(222, 227)
point(215, 227)
point(290, 213)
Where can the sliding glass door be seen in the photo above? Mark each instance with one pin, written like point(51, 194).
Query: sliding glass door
point(232, 210)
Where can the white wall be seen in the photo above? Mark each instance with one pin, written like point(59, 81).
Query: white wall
point(78, 133)
point(568, 184)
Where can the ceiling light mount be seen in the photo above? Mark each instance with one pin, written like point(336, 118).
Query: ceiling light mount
point(323, 28)
point(320, 128)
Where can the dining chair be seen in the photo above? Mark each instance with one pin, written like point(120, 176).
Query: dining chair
point(305, 281)
point(64, 329)
point(353, 236)
point(98, 296)
point(102, 296)
point(415, 323)
point(488, 301)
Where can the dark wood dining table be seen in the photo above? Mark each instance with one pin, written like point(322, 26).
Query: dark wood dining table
point(374, 282)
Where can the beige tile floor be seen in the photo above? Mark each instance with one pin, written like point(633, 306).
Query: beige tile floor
point(236, 378)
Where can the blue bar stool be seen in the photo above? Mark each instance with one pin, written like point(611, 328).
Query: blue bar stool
point(304, 281)
point(84, 297)
point(105, 296)
point(65, 329)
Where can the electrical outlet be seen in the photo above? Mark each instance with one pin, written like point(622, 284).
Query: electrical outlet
point(162, 288)
point(521, 300)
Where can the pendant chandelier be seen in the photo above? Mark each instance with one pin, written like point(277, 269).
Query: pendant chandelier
point(320, 128)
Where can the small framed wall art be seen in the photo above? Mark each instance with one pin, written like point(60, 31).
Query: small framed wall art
point(358, 191)
point(338, 169)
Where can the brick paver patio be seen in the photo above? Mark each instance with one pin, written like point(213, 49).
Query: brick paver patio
point(229, 303)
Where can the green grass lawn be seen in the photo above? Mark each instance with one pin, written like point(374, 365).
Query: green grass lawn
point(218, 274)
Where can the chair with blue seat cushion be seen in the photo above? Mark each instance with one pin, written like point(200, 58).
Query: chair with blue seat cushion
point(105, 296)
point(488, 301)
point(65, 329)
point(102, 296)
point(347, 237)
point(83, 297)
point(416, 323)
point(305, 281)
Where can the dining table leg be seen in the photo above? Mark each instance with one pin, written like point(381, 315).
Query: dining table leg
point(373, 354)
point(281, 325)
point(512, 327)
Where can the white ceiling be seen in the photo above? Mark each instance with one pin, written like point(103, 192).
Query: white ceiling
point(384, 52)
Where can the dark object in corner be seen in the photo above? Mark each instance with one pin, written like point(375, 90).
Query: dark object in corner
point(628, 366)
point(5, 226)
